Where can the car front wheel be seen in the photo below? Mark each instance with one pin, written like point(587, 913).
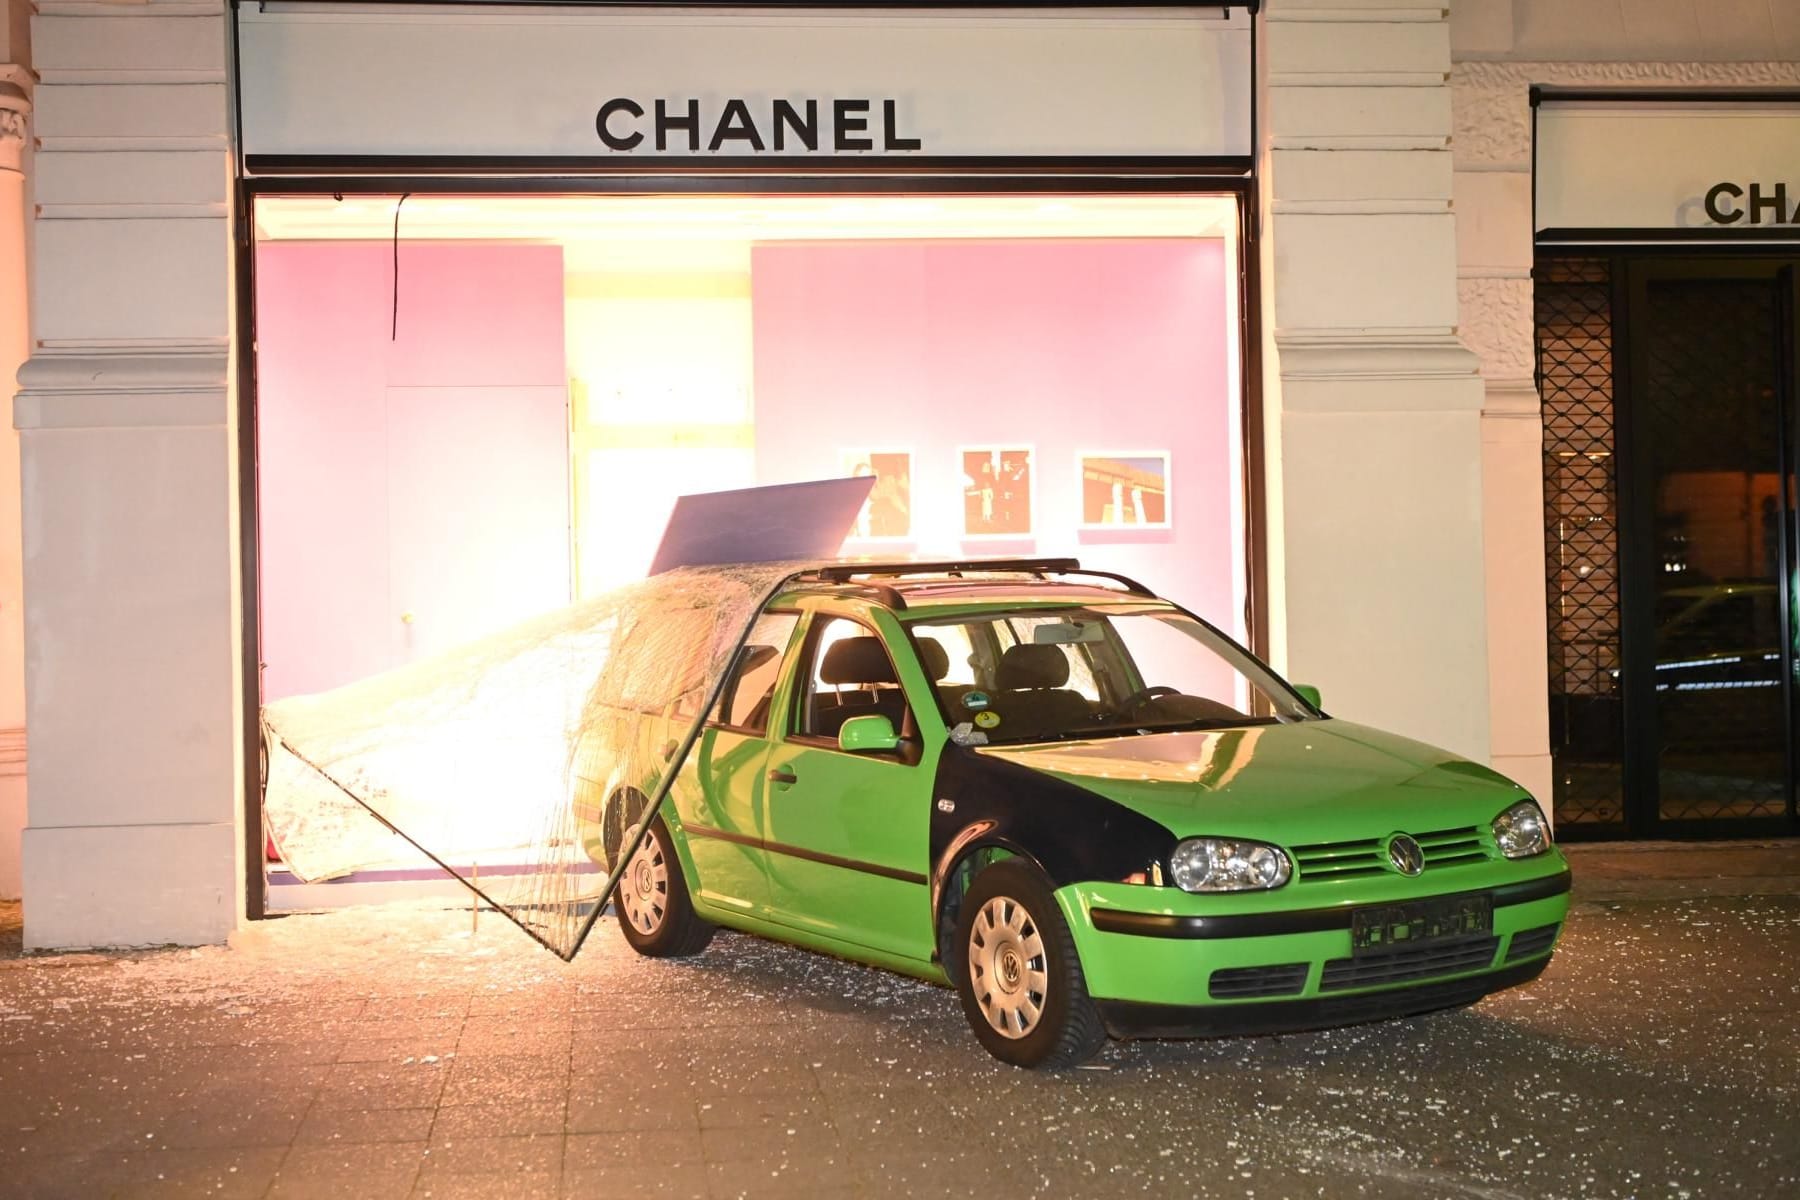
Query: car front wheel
point(652, 903)
point(1020, 978)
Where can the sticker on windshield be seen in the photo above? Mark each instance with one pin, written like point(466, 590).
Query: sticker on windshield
point(974, 700)
point(987, 718)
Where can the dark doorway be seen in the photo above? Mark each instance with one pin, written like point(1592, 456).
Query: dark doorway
point(1669, 388)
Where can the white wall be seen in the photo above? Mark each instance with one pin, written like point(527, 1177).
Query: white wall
point(1373, 402)
point(129, 485)
point(1494, 252)
point(1635, 31)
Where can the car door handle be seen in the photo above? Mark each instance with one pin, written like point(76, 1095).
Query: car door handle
point(778, 775)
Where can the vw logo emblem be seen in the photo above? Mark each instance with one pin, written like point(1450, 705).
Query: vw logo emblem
point(1405, 854)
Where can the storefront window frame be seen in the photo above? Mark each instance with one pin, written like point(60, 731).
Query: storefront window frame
point(262, 176)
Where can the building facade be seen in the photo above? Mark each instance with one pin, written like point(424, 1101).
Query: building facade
point(1613, 253)
point(1338, 198)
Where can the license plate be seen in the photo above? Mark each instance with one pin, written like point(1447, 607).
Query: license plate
point(1387, 927)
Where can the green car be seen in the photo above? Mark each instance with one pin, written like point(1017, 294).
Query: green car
point(1087, 810)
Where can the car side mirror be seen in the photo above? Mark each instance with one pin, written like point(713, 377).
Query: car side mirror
point(1310, 694)
point(872, 734)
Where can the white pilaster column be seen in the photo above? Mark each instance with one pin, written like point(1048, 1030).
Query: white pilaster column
point(1373, 401)
point(15, 338)
point(126, 426)
point(1494, 256)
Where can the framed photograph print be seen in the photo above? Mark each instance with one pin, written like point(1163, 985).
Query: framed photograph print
point(887, 517)
point(1125, 489)
point(997, 483)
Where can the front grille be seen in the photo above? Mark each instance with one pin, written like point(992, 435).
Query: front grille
point(1324, 861)
point(1532, 942)
point(1421, 962)
point(1245, 983)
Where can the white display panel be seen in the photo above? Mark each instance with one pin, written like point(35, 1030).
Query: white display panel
point(1666, 165)
point(517, 82)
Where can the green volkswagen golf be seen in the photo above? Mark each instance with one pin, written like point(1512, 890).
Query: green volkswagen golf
point(1088, 811)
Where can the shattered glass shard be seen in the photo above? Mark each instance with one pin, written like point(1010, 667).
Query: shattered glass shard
point(525, 764)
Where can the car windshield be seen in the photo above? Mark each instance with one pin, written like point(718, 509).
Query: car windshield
point(1039, 674)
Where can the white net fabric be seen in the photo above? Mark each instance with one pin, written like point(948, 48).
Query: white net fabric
point(525, 763)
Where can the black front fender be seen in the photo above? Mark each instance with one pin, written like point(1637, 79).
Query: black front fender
point(1072, 834)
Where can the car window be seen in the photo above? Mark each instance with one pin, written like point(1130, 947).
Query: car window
point(745, 704)
point(848, 673)
point(1165, 653)
point(1082, 673)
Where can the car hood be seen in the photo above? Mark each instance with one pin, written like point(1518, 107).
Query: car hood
point(1308, 782)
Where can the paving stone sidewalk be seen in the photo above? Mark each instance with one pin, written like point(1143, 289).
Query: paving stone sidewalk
point(394, 1052)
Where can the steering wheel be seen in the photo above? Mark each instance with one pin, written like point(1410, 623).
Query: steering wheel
point(1143, 696)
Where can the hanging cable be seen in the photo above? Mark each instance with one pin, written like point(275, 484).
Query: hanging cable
point(394, 332)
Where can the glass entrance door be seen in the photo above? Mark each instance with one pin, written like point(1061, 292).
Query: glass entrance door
point(1707, 497)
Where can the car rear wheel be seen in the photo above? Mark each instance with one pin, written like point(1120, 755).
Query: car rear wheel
point(1019, 977)
point(655, 913)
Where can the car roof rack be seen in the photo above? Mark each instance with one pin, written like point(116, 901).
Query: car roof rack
point(1042, 568)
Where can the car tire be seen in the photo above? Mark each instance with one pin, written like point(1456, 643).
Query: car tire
point(655, 912)
point(1018, 973)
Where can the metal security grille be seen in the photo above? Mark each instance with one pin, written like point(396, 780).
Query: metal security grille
point(1581, 536)
point(1706, 394)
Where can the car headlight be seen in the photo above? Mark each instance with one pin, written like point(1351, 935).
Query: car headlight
point(1521, 830)
point(1227, 865)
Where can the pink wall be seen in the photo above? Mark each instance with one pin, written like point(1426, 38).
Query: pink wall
point(409, 473)
point(1065, 346)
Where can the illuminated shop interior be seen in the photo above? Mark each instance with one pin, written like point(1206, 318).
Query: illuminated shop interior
point(490, 413)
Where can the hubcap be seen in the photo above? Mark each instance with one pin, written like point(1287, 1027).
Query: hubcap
point(1006, 967)
point(644, 893)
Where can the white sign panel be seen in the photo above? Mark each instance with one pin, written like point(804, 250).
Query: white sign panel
point(1667, 165)
point(622, 84)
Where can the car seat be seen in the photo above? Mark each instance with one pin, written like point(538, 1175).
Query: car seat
point(1031, 697)
point(862, 662)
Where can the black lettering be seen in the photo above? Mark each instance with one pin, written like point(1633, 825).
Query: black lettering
point(614, 141)
point(1759, 202)
point(664, 123)
point(845, 123)
point(891, 138)
point(735, 122)
point(1724, 216)
point(807, 129)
